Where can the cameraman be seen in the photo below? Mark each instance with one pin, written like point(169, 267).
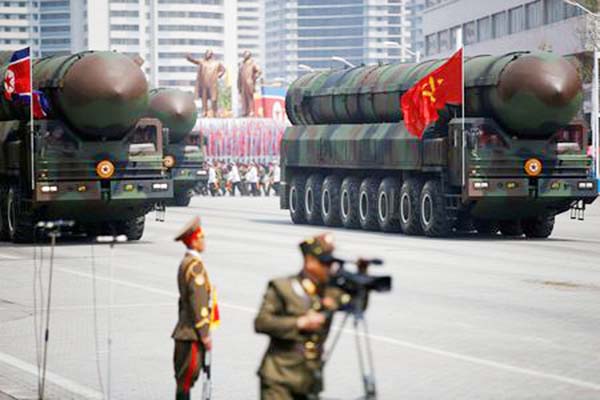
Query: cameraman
point(296, 313)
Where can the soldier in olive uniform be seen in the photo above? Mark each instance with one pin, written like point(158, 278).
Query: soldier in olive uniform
point(191, 334)
point(296, 313)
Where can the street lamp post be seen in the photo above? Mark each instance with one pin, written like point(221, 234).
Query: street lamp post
point(416, 54)
point(343, 61)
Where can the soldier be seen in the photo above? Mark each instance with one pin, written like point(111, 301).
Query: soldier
point(191, 334)
point(296, 313)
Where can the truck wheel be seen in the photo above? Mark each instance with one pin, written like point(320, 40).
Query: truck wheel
point(330, 201)
point(409, 206)
point(312, 199)
point(3, 216)
point(486, 226)
point(387, 205)
point(367, 204)
point(539, 227)
point(511, 228)
point(133, 228)
point(349, 202)
point(434, 216)
point(296, 200)
point(183, 198)
point(19, 222)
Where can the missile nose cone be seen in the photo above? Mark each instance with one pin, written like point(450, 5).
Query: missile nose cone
point(550, 78)
point(175, 109)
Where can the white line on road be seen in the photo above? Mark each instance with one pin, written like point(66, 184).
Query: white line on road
point(58, 380)
point(383, 339)
point(10, 257)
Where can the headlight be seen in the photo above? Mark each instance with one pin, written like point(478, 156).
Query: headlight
point(105, 169)
point(49, 188)
point(160, 186)
point(585, 185)
point(169, 161)
point(201, 172)
point(481, 185)
point(533, 167)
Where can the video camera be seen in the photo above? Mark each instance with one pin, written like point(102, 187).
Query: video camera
point(359, 284)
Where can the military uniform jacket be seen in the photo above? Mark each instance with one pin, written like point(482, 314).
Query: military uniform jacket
point(194, 297)
point(293, 357)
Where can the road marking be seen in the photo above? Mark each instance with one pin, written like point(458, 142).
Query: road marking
point(58, 380)
point(10, 257)
point(383, 339)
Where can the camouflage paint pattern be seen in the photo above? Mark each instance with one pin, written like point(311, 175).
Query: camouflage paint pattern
point(178, 113)
point(528, 94)
point(176, 110)
point(98, 94)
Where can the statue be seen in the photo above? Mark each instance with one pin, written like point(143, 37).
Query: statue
point(249, 72)
point(209, 73)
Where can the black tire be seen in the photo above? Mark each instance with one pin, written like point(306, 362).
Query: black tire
point(182, 198)
point(486, 226)
point(388, 201)
point(410, 192)
point(133, 228)
point(296, 200)
point(19, 221)
point(330, 201)
point(349, 202)
point(432, 209)
point(3, 221)
point(539, 227)
point(367, 204)
point(511, 227)
point(312, 199)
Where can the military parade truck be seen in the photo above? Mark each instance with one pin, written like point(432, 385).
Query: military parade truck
point(183, 148)
point(515, 161)
point(94, 159)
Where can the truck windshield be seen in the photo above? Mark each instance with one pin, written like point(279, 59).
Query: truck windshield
point(143, 140)
point(57, 141)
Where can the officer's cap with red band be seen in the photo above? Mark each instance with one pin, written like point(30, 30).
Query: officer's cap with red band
point(190, 232)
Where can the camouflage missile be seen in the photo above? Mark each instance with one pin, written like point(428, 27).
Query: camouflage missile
point(530, 94)
point(175, 109)
point(99, 94)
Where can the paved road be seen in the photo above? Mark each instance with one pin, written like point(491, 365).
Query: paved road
point(469, 317)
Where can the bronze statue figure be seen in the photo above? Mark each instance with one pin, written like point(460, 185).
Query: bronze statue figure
point(209, 73)
point(249, 72)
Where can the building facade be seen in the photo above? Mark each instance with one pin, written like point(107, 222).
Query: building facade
point(304, 34)
point(19, 25)
point(502, 26)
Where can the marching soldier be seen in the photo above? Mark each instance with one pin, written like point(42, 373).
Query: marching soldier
point(192, 332)
point(296, 313)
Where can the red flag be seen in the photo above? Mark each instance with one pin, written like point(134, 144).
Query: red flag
point(421, 103)
point(17, 78)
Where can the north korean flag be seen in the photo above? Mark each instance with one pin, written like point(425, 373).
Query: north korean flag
point(17, 78)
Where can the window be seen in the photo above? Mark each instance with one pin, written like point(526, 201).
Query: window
point(431, 44)
point(555, 10)
point(444, 40)
point(517, 19)
point(500, 24)
point(484, 29)
point(535, 16)
point(470, 30)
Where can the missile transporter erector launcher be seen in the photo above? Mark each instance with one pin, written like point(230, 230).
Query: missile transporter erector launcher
point(183, 149)
point(348, 160)
point(95, 159)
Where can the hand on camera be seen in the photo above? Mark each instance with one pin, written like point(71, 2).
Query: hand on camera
point(311, 321)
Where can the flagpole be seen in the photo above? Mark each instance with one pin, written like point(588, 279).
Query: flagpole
point(31, 122)
point(459, 46)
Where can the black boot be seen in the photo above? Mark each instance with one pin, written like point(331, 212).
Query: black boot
point(182, 396)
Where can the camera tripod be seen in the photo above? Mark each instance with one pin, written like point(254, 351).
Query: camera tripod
point(356, 311)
